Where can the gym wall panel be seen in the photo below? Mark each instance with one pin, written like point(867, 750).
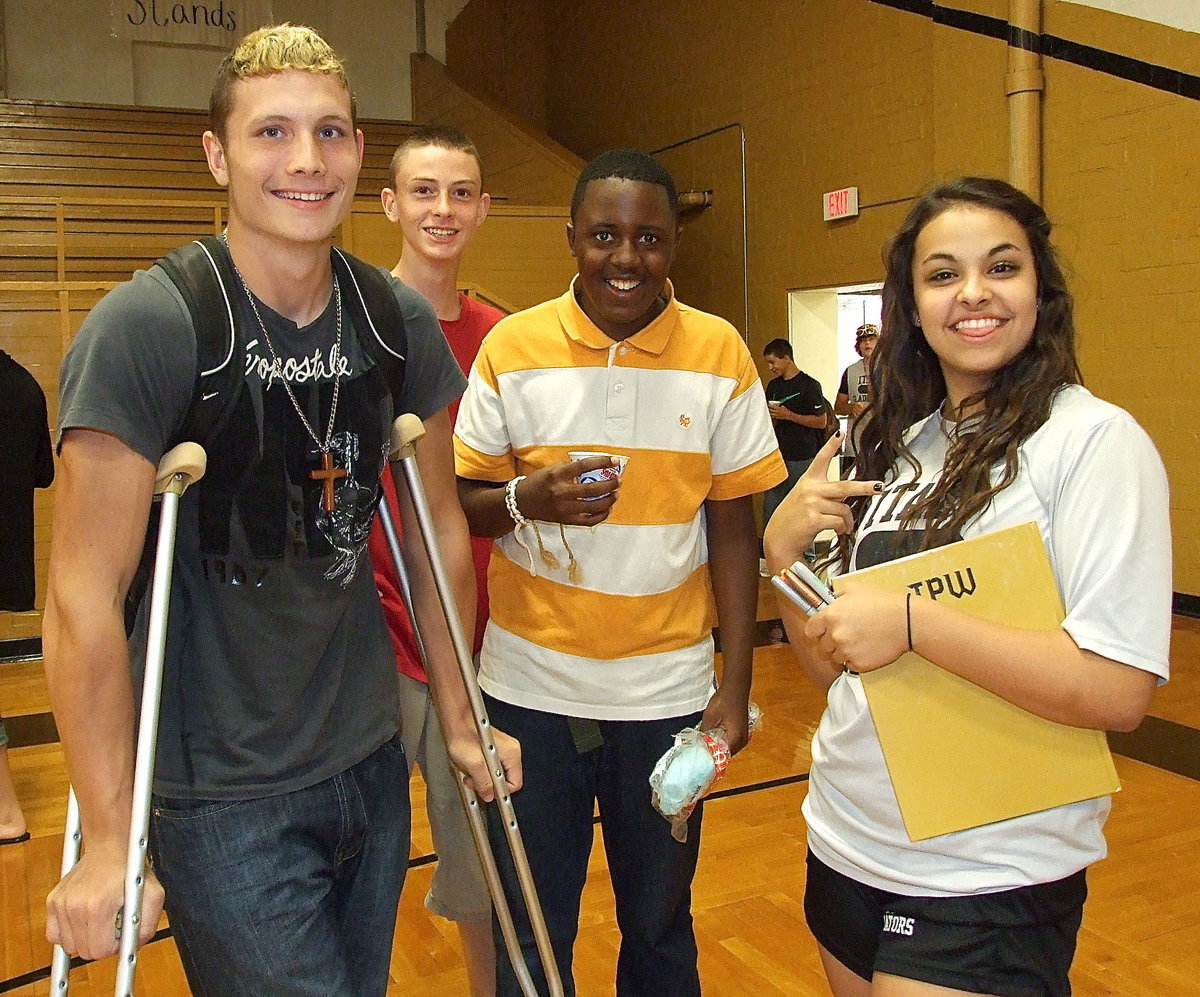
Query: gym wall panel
point(500, 51)
point(519, 255)
point(836, 93)
point(520, 164)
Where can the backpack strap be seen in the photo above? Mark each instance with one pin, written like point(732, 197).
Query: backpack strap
point(831, 420)
point(203, 273)
point(376, 314)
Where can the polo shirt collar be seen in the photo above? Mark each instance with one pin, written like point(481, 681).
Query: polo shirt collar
point(652, 339)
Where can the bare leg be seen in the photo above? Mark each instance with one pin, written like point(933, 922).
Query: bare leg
point(896, 986)
point(12, 821)
point(846, 983)
point(842, 981)
point(479, 954)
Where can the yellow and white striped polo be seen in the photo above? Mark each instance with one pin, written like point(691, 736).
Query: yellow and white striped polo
point(631, 640)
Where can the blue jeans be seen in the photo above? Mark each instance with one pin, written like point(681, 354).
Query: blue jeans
point(773, 496)
point(651, 872)
point(292, 895)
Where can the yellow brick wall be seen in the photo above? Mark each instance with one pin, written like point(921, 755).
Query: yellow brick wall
point(835, 93)
point(500, 51)
point(1123, 183)
point(520, 164)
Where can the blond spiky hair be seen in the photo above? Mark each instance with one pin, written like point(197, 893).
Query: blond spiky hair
point(274, 49)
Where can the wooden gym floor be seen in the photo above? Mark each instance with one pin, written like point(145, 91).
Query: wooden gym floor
point(1141, 931)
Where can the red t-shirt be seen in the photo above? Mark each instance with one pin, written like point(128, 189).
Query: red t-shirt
point(464, 335)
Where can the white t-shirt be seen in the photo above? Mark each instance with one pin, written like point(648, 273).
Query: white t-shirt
point(1094, 484)
point(856, 385)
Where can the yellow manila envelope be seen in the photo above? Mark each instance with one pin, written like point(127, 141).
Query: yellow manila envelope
point(959, 756)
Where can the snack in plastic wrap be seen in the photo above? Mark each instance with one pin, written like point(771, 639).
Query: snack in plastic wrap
point(686, 773)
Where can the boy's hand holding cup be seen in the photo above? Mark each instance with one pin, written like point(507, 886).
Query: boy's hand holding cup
point(599, 475)
point(604, 472)
point(577, 492)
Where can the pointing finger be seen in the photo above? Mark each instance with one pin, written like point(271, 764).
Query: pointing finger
point(848, 489)
point(819, 468)
point(818, 471)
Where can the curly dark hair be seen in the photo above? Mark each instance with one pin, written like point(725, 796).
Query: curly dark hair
point(908, 383)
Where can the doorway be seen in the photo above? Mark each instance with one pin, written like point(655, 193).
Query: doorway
point(821, 324)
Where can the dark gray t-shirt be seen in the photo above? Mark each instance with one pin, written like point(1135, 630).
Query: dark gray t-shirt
point(279, 670)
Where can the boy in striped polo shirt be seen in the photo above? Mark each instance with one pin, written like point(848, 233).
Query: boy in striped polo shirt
point(599, 648)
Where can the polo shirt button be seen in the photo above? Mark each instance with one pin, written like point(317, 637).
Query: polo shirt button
point(618, 387)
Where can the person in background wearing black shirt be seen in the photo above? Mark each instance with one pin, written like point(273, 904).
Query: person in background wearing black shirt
point(28, 462)
point(798, 415)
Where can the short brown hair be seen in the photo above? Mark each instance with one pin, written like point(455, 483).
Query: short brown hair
point(779, 348)
point(440, 136)
point(274, 49)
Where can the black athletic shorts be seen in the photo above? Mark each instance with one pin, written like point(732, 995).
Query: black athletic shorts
point(1015, 943)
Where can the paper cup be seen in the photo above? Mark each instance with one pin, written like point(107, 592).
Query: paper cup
point(599, 473)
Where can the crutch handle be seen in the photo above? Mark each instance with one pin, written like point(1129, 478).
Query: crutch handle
point(406, 431)
point(179, 467)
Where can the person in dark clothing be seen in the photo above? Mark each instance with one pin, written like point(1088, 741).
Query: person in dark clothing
point(798, 415)
point(28, 461)
point(280, 804)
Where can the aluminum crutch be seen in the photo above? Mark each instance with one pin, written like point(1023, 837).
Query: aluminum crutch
point(406, 431)
point(178, 469)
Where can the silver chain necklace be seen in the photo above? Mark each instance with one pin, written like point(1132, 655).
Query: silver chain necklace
point(327, 473)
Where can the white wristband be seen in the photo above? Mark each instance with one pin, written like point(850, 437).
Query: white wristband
point(510, 501)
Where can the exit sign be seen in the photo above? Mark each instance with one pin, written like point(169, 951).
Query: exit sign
point(840, 204)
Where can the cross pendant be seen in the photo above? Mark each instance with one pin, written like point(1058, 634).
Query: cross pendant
point(327, 474)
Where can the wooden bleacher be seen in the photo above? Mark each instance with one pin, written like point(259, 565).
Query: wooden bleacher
point(66, 150)
point(91, 193)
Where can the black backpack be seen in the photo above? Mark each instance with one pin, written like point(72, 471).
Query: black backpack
point(831, 420)
point(203, 273)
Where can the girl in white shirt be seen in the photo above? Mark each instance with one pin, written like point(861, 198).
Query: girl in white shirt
point(979, 422)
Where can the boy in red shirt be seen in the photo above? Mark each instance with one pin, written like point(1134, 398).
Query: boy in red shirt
point(437, 199)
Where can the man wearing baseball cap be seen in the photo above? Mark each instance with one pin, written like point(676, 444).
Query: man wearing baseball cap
point(854, 391)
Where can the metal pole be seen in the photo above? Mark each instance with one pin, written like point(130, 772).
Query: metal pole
point(1024, 85)
point(745, 213)
point(470, 801)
